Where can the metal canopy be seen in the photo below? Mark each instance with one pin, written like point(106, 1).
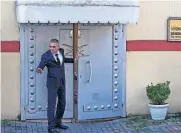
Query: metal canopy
point(77, 11)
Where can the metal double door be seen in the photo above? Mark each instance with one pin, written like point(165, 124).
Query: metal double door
point(98, 90)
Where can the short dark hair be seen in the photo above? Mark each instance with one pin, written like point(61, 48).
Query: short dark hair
point(54, 41)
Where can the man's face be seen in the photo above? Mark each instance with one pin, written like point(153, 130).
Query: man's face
point(54, 47)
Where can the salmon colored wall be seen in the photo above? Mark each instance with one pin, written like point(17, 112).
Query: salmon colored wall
point(10, 63)
point(146, 67)
point(152, 24)
point(9, 26)
point(10, 85)
point(146, 63)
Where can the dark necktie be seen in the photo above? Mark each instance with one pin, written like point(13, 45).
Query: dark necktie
point(58, 60)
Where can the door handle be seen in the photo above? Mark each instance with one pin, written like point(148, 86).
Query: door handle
point(90, 75)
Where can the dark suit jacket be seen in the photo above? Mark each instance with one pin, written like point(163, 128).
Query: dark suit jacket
point(56, 73)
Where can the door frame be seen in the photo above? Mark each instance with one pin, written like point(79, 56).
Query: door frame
point(22, 75)
point(122, 50)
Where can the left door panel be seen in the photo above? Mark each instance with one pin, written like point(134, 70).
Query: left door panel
point(35, 92)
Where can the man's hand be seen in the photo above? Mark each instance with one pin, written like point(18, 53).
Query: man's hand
point(39, 70)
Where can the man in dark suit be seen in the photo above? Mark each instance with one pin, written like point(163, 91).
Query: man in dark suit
point(54, 60)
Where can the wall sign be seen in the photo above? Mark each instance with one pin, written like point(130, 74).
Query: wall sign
point(174, 29)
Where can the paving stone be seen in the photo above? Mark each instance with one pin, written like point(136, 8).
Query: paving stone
point(171, 129)
point(96, 129)
point(135, 131)
point(24, 131)
point(122, 130)
point(116, 121)
point(146, 130)
point(165, 129)
point(83, 130)
point(88, 129)
point(171, 123)
point(116, 130)
point(179, 127)
point(104, 129)
point(108, 131)
point(35, 132)
point(152, 128)
point(18, 131)
point(175, 128)
point(107, 125)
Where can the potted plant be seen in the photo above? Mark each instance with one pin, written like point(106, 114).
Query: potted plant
point(157, 95)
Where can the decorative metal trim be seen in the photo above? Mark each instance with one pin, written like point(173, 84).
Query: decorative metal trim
point(101, 107)
point(122, 78)
point(116, 67)
point(71, 34)
point(69, 49)
point(31, 71)
point(22, 72)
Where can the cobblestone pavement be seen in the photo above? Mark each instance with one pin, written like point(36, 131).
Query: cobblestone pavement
point(136, 124)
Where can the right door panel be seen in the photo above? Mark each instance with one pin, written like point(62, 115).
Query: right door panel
point(97, 96)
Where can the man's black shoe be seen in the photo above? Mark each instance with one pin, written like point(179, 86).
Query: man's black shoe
point(53, 131)
point(61, 126)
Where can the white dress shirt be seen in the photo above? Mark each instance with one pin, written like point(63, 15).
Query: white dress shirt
point(59, 56)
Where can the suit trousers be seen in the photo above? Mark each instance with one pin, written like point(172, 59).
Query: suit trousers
point(55, 115)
